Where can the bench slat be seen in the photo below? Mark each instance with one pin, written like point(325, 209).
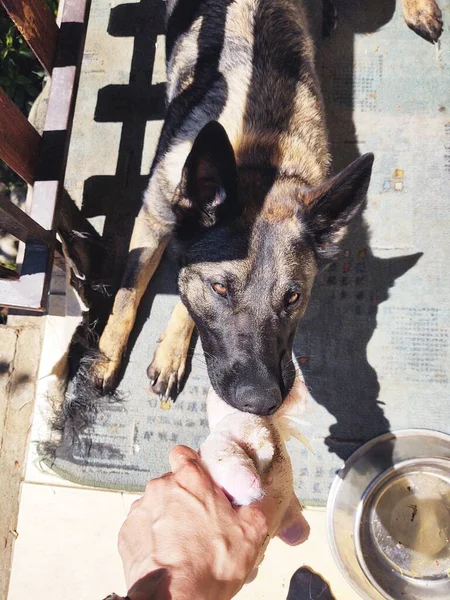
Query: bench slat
point(18, 223)
point(30, 291)
point(19, 141)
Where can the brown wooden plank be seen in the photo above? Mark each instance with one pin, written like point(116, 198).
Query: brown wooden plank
point(59, 259)
point(18, 223)
point(19, 141)
point(31, 289)
point(58, 122)
point(38, 26)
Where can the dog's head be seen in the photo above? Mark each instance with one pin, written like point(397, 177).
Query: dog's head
point(250, 245)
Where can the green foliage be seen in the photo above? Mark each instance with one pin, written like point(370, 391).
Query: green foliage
point(21, 75)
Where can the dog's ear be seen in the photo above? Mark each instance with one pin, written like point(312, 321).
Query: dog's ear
point(208, 187)
point(331, 206)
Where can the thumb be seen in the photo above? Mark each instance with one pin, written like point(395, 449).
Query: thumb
point(254, 522)
point(294, 528)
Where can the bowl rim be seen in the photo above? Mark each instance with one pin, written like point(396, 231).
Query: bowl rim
point(332, 494)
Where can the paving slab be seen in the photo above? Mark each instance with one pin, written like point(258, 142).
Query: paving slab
point(67, 547)
point(20, 350)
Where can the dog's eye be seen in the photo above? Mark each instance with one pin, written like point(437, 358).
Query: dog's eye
point(220, 289)
point(292, 298)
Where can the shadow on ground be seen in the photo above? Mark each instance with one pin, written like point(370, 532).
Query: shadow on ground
point(305, 584)
point(331, 345)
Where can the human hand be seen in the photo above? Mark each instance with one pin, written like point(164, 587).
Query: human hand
point(183, 539)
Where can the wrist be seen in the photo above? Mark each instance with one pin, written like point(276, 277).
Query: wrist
point(188, 587)
point(154, 586)
point(177, 585)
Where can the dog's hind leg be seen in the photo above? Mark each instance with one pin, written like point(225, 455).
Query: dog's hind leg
point(424, 17)
point(148, 242)
point(167, 369)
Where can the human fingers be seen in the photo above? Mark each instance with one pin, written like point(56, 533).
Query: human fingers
point(180, 455)
point(296, 532)
point(149, 490)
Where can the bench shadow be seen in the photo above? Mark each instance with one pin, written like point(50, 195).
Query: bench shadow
point(111, 202)
point(117, 199)
point(306, 584)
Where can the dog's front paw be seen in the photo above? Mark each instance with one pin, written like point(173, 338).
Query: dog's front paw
point(424, 17)
point(105, 373)
point(167, 369)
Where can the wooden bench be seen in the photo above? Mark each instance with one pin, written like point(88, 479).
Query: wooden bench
point(40, 160)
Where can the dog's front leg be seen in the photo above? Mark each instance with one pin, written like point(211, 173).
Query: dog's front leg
point(148, 242)
point(424, 17)
point(167, 369)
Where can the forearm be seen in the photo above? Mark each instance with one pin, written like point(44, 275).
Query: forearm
point(161, 585)
point(169, 587)
point(154, 586)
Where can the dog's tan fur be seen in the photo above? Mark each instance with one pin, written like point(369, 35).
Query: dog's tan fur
point(169, 361)
point(151, 235)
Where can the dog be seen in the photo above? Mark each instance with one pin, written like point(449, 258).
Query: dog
point(240, 182)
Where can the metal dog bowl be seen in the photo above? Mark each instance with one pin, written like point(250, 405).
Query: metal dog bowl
point(388, 517)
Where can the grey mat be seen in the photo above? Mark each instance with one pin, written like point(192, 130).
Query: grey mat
point(373, 347)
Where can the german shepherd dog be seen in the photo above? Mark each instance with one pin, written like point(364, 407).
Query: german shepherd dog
point(240, 182)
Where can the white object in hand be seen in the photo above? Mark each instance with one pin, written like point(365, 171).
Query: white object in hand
point(247, 457)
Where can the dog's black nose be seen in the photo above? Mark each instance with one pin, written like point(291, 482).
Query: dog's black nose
point(259, 401)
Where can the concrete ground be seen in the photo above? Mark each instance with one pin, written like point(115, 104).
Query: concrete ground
point(21, 349)
point(67, 549)
point(20, 346)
